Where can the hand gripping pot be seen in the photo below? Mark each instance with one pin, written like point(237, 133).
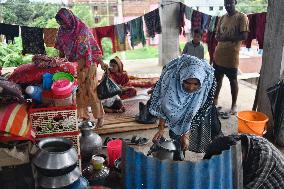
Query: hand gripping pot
point(163, 149)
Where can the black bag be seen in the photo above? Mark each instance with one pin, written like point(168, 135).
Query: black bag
point(276, 98)
point(107, 88)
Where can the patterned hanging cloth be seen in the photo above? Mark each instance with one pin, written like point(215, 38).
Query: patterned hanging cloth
point(50, 36)
point(153, 23)
point(32, 40)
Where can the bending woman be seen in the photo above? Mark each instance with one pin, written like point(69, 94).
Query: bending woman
point(183, 99)
point(76, 42)
point(120, 77)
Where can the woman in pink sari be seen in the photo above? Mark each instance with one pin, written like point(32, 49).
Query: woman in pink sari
point(76, 42)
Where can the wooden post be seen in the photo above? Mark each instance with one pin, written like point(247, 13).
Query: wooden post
point(273, 56)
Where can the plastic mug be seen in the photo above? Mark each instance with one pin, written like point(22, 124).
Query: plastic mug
point(47, 81)
point(114, 149)
point(97, 162)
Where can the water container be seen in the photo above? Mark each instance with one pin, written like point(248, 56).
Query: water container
point(35, 93)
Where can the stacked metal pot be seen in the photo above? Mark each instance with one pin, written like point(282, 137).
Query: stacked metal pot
point(56, 164)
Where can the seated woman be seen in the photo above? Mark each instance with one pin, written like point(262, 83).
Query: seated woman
point(183, 99)
point(118, 75)
point(113, 105)
point(263, 163)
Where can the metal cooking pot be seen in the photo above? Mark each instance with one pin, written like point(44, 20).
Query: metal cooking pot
point(59, 181)
point(163, 149)
point(56, 156)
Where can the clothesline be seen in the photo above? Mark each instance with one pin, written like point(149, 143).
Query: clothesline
point(118, 32)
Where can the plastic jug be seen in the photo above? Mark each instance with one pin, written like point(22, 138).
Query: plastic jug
point(35, 93)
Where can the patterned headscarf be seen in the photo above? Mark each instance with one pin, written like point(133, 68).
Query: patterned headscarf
point(169, 99)
point(75, 39)
point(119, 64)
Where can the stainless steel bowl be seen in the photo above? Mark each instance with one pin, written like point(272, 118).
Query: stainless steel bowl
point(59, 181)
point(56, 156)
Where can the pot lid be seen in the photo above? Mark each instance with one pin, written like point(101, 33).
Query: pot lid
point(166, 145)
point(59, 181)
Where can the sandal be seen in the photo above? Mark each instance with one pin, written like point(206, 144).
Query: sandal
point(142, 141)
point(225, 115)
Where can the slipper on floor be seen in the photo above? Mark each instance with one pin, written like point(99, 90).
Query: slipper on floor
point(226, 115)
point(142, 141)
point(221, 113)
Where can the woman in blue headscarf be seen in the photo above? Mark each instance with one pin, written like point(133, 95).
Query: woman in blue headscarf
point(183, 99)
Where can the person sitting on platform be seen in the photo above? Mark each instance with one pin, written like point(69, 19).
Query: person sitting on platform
point(120, 77)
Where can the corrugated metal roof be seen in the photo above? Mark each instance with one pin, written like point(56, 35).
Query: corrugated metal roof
point(142, 172)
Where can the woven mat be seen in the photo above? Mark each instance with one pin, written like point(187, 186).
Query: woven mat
point(124, 122)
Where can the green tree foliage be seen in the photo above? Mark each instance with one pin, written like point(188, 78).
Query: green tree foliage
point(23, 12)
point(84, 12)
point(252, 6)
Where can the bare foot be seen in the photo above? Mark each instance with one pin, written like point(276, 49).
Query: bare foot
point(233, 110)
point(100, 122)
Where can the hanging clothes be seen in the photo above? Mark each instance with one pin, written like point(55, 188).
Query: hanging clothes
point(121, 32)
point(211, 43)
point(188, 12)
point(153, 23)
point(196, 20)
point(32, 39)
point(121, 46)
point(205, 22)
point(256, 29)
point(10, 31)
point(105, 31)
point(49, 36)
point(136, 32)
point(211, 40)
point(181, 19)
point(213, 24)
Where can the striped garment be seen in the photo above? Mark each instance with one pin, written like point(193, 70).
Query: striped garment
point(14, 123)
point(263, 166)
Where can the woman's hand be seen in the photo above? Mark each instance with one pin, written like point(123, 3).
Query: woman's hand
point(158, 135)
point(104, 66)
point(184, 141)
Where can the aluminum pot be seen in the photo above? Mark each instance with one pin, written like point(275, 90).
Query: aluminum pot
point(56, 156)
point(59, 181)
point(90, 142)
point(163, 149)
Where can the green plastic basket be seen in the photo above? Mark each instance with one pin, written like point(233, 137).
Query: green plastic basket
point(63, 75)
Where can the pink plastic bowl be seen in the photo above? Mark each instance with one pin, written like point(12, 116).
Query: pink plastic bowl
point(62, 87)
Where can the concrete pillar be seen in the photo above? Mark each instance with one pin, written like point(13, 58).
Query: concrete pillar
point(169, 39)
point(273, 56)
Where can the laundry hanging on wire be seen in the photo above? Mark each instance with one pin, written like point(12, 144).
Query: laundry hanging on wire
point(134, 29)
